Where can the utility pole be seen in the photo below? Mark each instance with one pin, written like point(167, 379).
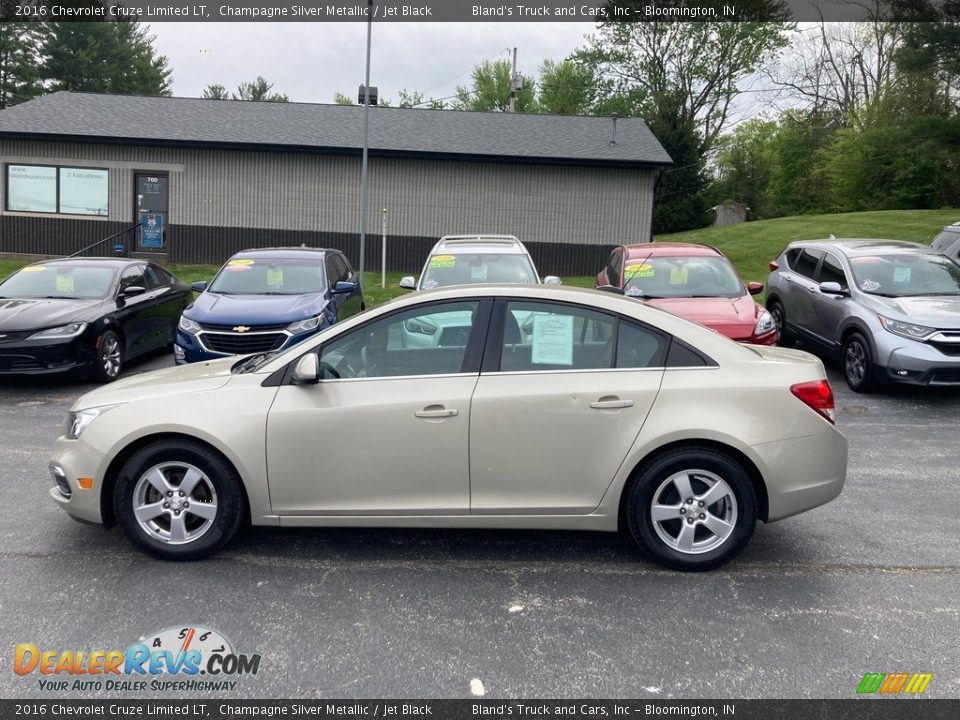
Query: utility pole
point(364, 185)
point(514, 84)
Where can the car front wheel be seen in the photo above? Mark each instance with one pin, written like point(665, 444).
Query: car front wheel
point(692, 508)
point(858, 364)
point(780, 320)
point(109, 361)
point(179, 500)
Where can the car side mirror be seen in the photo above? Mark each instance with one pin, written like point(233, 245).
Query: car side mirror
point(199, 286)
point(408, 282)
point(131, 290)
point(345, 286)
point(307, 370)
point(754, 288)
point(551, 280)
point(832, 288)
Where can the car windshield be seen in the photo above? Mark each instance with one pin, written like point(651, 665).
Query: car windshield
point(59, 280)
point(906, 274)
point(270, 276)
point(470, 268)
point(668, 277)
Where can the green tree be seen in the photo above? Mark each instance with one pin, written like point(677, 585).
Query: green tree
point(258, 91)
point(743, 166)
point(566, 88)
point(110, 57)
point(340, 99)
point(216, 92)
point(490, 90)
point(19, 58)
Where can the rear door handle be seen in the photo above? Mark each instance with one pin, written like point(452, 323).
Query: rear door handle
point(434, 411)
point(611, 403)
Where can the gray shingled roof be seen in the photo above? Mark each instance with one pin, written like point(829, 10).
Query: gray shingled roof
point(193, 121)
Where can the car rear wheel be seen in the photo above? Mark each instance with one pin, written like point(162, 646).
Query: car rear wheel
point(780, 319)
point(109, 362)
point(692, 508)
point(858, 364)
point(179, 500)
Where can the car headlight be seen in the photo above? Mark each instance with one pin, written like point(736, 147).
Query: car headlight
point(304, 325)
point(909, 330)
point(58, 333)
point(78, 420)
point(765, 324)
point(421, 327)
point(188, 325)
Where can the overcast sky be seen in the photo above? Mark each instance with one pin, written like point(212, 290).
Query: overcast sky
point(310, 61)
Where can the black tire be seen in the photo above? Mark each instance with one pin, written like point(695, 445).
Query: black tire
point(857, 362)
point(702, 466)
point(219, 490)
point(109, 358)
point(780, 318)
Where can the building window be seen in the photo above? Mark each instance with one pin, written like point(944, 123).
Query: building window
point(64, 190)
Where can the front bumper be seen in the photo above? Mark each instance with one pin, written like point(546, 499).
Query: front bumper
point(76, 459)
point(47, 357)
point(918, 363)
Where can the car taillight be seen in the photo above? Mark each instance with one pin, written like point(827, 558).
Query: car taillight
point(773, 265)
point(818, 396)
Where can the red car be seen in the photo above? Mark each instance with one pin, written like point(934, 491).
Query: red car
point(694, 281)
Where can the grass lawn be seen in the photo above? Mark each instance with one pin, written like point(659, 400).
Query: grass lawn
point(749, 245)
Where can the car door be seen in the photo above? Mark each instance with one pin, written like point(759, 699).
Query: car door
point(558, 406)
point(169, 303)
point(137, 314)
point(347, 303)
point(798, 289)
point(386, 431)
point(829, 310)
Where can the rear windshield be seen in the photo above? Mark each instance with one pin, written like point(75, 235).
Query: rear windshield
point(270, 276)
point(468, 269)
point(906, 274)
point(669, 277)
point(61, 280)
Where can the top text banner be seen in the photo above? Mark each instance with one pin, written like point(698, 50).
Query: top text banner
point(473, 10)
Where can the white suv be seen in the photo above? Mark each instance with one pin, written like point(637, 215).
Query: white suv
point(472, 259)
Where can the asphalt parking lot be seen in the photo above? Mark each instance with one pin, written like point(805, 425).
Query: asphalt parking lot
point(870, 582)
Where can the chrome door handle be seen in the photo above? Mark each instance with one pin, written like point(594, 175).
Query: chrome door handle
point(611, 404)
point(435, 413)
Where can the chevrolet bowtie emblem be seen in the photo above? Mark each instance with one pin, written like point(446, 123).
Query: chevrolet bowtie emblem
point(240, 328)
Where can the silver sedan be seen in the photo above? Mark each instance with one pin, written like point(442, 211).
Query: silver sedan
point(608, 414)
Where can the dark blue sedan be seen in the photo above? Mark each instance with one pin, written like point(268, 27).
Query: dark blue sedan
point(267, 299)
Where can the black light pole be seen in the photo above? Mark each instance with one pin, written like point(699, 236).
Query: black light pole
point(364, 184)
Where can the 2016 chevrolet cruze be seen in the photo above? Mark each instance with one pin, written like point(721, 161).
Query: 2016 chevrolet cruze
point(608, 414)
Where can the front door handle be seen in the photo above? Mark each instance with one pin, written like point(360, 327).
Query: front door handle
point(611, 403)
point(436, 411)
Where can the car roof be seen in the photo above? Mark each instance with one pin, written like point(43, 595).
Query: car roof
point(642, 251)
point(111, 261)
point(504, 244)
point(284, 252)
point(855, 247)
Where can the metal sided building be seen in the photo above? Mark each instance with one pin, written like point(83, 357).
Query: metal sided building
point(194, 180)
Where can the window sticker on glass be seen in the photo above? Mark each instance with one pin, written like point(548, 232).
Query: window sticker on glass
point(239, 265)
point(552, 340)
point(37, 268)
point(866, 260)
point(442, 261)
point(901, 274)
point(274, 277)
point(678, 275)
point(478, 273)
point(64, 283)
point(869, 286)
point(640, 270)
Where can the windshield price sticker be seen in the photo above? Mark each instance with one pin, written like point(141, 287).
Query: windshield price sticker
point(641, 270)
point(443, 261)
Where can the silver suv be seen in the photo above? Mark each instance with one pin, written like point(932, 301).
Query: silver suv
point(471, 259)
point(948, 242)
point(888, 310)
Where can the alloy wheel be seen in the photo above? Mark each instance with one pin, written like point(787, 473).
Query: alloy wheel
point(175, 503)
point(694, 511)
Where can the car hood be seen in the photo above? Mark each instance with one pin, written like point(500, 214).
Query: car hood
point(196, 377)
point(39, 313)
point(733, 317)
point(218, 309)
point(941, 312)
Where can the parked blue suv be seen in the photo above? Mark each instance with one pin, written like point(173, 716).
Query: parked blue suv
point(267, 299)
